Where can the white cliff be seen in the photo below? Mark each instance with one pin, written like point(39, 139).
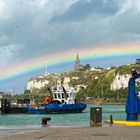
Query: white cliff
point(42, 81)
point(35, 84)
point(53, 80)
point(120, 81)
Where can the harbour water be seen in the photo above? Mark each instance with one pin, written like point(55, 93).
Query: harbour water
point(118, 112)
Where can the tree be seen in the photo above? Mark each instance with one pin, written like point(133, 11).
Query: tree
point(27, 91)
point(87, 66)
point(81, 93)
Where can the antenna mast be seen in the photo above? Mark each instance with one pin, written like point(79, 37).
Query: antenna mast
point(46, 71)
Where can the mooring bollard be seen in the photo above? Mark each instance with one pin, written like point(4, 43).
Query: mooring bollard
point(95, 116)
point(111, 119)
point(45, 120)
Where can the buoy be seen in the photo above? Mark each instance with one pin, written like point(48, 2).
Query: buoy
point(45, 120)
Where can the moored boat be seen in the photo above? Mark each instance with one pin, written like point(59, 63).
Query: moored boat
point(59, 101)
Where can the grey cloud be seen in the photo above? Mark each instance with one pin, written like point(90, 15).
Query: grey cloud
point(27, 25)
point(124, 27)
point(39, 28)
point(18, 27)
point(8, 55)
point(127, 22)
point(84, 8)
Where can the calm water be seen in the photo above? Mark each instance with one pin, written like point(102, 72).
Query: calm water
point(118, 112)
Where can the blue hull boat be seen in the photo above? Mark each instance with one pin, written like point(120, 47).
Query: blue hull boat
point(65, 108)
point(58, 108)
point(60, 101)
point(36, 110)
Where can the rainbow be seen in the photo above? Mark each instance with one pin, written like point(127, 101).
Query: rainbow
point(89, 52)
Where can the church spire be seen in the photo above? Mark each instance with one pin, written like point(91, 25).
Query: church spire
point(77, 65)
point(77, 58)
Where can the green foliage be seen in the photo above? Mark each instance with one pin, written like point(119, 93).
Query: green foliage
point(81, 93)
point(125, 69)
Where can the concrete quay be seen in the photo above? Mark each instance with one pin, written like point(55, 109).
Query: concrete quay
point(117, 132)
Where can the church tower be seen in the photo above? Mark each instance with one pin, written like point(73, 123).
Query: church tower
point(77, 65)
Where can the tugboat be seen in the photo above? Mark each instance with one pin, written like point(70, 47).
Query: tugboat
point(59, 101)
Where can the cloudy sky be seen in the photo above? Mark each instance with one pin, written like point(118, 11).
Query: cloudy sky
point(33, 28)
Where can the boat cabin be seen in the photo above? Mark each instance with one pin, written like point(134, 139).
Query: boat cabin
point(67, 96)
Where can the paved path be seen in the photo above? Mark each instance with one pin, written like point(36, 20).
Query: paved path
point(75, 133)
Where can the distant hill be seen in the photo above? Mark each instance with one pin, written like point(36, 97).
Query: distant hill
point(98, 83)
